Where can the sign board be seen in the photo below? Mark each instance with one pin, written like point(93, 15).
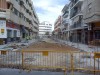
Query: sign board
point(3, 30)
point(3, 52)
point(97, 55)
point(45, 53)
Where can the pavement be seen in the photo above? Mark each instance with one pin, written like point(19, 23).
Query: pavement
point(6, 46)
point(6, 71)
point(82, 47)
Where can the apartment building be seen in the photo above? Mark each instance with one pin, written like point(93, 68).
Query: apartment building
point(91, 16)
point(18, 20)
point(65, 22)
point(45, 29)
point(57, 27)
point(78, 29)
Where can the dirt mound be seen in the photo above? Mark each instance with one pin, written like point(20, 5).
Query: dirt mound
point(43, 45)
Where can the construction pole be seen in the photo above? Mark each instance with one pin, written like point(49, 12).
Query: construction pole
point(72, 64)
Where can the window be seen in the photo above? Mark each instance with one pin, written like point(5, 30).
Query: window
point(15, 33)
point(97, 34)
point(89, 7)
point(24, 18)
point(17, 0)
point(8, 5)
point(15, 11)
point(26, 1)
point(21, 15)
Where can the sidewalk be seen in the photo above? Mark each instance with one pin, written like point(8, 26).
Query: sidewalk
point(6, 46)
point(82, 47)
point(6, 71)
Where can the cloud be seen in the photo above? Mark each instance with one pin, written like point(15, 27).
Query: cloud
point(49, 10)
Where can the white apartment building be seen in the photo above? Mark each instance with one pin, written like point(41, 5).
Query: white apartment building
point(44, 28)
point(18, 20)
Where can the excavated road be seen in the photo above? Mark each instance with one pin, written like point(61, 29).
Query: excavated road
point(48, 44)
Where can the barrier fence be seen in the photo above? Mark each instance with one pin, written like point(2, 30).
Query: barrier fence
point(51, 60)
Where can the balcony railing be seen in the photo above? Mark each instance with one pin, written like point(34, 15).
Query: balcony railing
point(76, 25)
point(75, 12)
point(75, 2)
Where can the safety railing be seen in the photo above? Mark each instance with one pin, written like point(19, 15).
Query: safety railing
point(51, 60)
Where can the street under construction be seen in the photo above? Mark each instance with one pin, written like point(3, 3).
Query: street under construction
point(49, 55)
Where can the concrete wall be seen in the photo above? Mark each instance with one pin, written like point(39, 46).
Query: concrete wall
point(91, 11)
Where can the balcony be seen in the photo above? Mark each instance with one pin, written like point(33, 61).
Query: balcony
point(21, 3)
point(76, 3)
point(2, 14)
point(77, 25)
point(65, 21)
point(75, 13)
point(65, 14)
point(9, 1)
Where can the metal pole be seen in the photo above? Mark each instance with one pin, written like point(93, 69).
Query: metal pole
point(94, 65)
point(72, 64)
point(22, 60)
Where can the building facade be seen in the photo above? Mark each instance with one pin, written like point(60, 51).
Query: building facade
point(78, 29)
point(57, 28)
point(45, 29)
point(18, 20)
point(91, 16)
point(80, 22)
point(65, 22)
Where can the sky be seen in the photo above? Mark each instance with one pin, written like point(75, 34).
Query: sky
point(49, 10)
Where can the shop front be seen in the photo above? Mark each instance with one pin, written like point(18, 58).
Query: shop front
point(94, 33)
point(13, 32)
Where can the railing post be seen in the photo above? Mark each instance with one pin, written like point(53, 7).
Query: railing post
point(94, 65)
point(72, 64)
point(22, 60)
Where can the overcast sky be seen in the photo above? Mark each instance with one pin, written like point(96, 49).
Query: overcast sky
point(49, 10)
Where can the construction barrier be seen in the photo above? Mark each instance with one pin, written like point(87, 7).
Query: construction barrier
point(52, 60)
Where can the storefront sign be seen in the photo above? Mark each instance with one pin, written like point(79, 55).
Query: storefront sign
point(3, 31)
